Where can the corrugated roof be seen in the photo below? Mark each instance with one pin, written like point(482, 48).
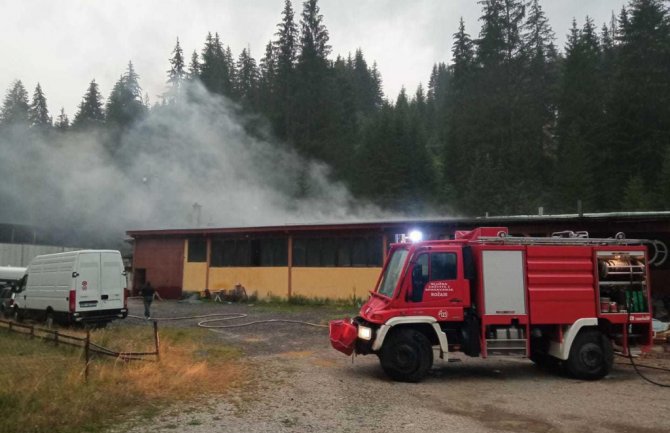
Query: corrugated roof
point(388, 223)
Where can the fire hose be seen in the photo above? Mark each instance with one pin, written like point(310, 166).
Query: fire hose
point(210, 319)
point(632, 362)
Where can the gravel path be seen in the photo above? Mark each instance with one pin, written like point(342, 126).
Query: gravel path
point(302, 385)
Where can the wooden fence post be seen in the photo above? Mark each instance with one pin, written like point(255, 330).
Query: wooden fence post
point(56, 338)
point(157, 340)
point(87, 355)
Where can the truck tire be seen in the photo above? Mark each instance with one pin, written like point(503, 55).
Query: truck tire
point(406, 356)
point(591, 356)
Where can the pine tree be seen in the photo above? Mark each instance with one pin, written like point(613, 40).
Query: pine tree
point(580, 123)
point(537, 115)
point(640, 106)
point(458, 116)
point(194, 67)
point(176, 74)
point(38, 113)
point(247, 79)
point(90, 113)
point(125, 105)
point(285, 48)
point(267, 79)
point(312, 101)
point(15, 108)
point(501, 62)
point(62, 122)
point(213, 69)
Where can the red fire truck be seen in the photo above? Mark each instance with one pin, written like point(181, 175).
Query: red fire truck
point(566, 299)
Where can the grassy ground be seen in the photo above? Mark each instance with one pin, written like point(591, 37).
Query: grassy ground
point(42, 388)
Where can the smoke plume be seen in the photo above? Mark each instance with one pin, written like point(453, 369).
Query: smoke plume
point(185, 165)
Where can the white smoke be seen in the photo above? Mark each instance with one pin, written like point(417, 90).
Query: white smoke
point(184, 164)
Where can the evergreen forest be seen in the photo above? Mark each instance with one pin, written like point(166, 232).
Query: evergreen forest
point(511, 123)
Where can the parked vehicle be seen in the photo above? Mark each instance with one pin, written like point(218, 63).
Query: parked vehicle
point(87, 286)
point(6, 301)
point(566, 299)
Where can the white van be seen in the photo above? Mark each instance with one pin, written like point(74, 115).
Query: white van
point(11, 274)
point(78, 286)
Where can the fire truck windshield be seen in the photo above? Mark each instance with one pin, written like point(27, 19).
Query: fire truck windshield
point(391, 275)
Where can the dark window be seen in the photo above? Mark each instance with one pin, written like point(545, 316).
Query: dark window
point(273, 252)
point(217, 253)
point(375, 251)
point(344, 252)
point(243, 252)
point(442, 266)
point(197, 250)
point(313, 252)
point(299, 252)
point(228, 253)
point(328, 252)
point(359, 254)
point(335, 251)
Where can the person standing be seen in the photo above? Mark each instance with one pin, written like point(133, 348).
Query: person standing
point(147, 292)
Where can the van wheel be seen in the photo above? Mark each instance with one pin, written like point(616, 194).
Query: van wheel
point(49, 319)
point(406, 356)
point(591, 356)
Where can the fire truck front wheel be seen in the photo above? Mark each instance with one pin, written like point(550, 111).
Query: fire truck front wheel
point(591, 356)
point(406, 355)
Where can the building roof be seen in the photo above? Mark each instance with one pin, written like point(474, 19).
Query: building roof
point(382, 224)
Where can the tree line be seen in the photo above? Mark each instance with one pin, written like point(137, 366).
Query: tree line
point(511, 123)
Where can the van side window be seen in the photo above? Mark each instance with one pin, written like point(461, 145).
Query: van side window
point(443, 266)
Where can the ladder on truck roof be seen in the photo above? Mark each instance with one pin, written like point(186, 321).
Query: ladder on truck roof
point(580, 238)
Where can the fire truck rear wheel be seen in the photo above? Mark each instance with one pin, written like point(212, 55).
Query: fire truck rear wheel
point(406, 356)
point(591, 356)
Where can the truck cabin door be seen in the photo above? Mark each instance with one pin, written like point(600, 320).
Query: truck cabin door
point(437, 278)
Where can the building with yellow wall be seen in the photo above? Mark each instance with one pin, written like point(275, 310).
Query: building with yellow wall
point(334, 261)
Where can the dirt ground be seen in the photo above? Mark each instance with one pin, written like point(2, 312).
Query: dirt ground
point(302, 385)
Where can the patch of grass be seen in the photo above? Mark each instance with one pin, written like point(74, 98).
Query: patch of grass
point(42, 387)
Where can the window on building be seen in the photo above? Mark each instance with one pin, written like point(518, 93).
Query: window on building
point(344, 252)
point(249, 252)
point(197, 250)
point(330, 251)
point(272, 252)
point(442, 266)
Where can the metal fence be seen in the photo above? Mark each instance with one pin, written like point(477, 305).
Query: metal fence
point(85, 343)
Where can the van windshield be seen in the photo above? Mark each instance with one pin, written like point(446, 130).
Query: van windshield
point(391, 275)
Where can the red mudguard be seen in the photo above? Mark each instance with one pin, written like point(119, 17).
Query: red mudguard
point(343, 335)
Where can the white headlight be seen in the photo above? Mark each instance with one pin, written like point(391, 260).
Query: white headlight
point(364, 333)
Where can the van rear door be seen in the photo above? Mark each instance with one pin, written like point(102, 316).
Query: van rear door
point(87, 281)
point(112, 280)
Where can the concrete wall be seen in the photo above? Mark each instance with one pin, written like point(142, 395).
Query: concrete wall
point(22, 254)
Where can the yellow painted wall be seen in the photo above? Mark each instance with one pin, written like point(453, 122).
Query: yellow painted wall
point(264, 281)
point(194, 277)
point(334, 283)
point(195, 274)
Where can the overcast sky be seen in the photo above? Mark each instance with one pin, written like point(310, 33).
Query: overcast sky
point(64, 44)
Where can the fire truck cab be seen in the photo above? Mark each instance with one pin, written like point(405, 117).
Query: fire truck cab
point(566, 299)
